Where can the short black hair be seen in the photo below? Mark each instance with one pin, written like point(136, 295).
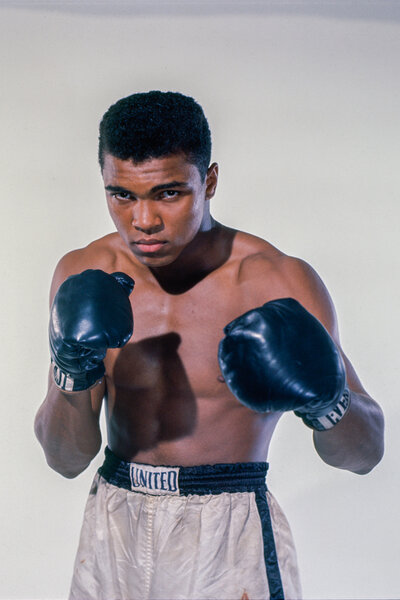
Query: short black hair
point(155, 124)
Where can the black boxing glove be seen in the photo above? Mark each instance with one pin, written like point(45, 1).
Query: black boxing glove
point(90, 313)
point(279, 357)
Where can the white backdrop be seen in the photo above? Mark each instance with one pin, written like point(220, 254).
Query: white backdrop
point(303, 100)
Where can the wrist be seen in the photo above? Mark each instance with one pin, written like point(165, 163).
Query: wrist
point(76, 382)
point(330, 419)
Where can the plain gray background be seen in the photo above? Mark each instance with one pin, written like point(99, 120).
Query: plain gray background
point(303, 100)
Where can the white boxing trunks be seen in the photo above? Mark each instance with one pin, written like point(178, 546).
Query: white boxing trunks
point(180, 533)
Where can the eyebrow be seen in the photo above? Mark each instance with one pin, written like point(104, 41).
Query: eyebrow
point(156, 188)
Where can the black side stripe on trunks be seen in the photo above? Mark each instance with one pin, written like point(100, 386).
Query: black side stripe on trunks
point(270, 554)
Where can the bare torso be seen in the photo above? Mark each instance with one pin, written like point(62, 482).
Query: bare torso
point(166, 401)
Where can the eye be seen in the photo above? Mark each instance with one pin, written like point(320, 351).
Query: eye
point(168, 194)
point(121, 196)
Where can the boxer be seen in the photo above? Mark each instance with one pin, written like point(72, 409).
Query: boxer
point(197, 338)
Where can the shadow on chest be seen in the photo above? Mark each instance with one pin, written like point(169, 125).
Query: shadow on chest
point(150, 396)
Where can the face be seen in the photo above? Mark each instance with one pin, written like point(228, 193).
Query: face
point(158, 206)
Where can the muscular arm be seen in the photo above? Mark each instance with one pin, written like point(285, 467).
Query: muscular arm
point(67, 427)
point(356, 443)
point(67, 423)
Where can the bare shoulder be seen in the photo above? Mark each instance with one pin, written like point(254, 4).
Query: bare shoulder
point(270, 274)
point(103, 253)
point(265, 273)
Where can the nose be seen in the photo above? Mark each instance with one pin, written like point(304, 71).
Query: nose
point(145, 217)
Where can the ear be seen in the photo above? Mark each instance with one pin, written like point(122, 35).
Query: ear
point(211, 180)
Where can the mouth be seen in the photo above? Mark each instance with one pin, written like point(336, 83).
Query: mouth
point(148, 246)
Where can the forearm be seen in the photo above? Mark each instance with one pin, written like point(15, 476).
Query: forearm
point(67, 427)
point(356, 443)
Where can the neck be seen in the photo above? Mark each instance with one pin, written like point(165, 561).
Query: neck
point(209, 249)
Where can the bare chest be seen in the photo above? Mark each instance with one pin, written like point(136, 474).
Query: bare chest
point(177, 335)
point(166, 400)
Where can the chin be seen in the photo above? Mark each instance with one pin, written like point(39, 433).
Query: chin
point(156, 261)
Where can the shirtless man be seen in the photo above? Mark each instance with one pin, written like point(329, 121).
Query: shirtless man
point(180, 508)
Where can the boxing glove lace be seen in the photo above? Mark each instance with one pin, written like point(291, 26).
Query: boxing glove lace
point(279, 357)
point(90, 313)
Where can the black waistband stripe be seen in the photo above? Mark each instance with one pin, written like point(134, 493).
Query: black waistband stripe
point(202, 479)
